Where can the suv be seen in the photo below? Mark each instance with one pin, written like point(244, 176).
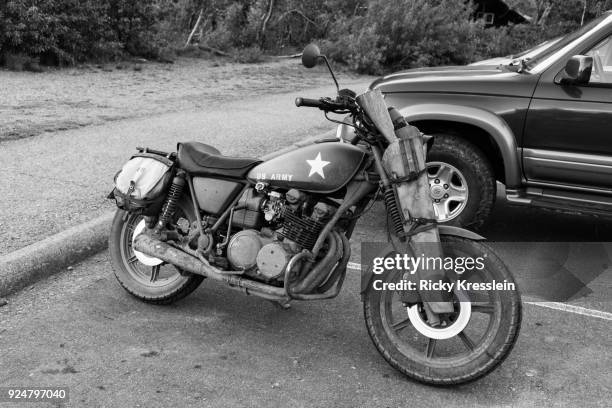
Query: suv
point(541, 126)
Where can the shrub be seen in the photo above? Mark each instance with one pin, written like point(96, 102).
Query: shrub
point(370, 36)
point(398, 34)
point(69, 31)
point(288, 24)
point(512, 39)
point(66, 31)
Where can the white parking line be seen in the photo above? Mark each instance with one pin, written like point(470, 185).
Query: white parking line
point(564, 307)
point(598, 314)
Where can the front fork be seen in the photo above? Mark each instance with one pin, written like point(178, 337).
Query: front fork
point(389, 193)
point(393, 209)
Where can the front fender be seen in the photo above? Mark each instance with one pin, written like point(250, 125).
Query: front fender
point(459, 232)
point(481, 118)
point(444, 230)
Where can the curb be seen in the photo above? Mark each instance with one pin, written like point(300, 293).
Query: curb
point(30, 264)
point(47, 257)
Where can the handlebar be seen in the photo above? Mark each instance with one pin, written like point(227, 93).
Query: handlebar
point(345, 102)
point(326, 104)
point(312, 103)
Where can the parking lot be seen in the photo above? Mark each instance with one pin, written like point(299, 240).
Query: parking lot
point(220, 348)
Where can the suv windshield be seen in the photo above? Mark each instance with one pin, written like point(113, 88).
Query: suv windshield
point(566, 40)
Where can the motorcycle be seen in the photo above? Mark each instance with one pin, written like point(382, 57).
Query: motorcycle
point(279, 229)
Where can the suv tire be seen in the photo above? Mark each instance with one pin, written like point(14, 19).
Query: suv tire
point(462, 167)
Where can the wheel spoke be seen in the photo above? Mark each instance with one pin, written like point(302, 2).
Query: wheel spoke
point(455, 190)
point(487, 308)
point(132, 259)
point(446, 203)
point(401, 325)
point(441, 210)
point(444, 174)
point(154, 272)
point(467, 341)
point(431, 345)
point(456, 198)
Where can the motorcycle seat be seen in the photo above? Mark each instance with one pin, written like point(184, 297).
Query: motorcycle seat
point(200, 159)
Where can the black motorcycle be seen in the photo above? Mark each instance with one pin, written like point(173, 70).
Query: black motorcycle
point(280, 230)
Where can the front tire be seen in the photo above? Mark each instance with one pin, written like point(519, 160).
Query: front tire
point(157, 284)
point(462, 182)
point(480, 345)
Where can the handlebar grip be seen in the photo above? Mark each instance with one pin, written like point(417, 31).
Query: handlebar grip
point(312, 103)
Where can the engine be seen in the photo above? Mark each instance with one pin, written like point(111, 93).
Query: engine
point(275, 226)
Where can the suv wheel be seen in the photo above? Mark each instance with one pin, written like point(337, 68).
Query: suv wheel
point(461, 181)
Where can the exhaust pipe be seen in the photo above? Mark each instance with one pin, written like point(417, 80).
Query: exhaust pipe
point(167, 253)
point(322, 269)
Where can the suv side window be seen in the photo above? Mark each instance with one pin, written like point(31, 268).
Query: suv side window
point(602, 62)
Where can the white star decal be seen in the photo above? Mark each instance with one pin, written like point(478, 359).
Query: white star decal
point(316, 166)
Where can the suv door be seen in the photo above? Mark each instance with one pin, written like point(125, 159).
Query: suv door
point(568, 130)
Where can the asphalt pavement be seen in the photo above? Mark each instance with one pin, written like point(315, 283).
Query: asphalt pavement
point(219, 348)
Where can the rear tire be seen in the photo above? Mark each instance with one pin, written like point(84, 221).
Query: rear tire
point(171, 283)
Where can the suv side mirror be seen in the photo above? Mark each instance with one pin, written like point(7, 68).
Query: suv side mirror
point(577, 70)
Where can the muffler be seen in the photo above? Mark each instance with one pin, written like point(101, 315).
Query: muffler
point(167, 253)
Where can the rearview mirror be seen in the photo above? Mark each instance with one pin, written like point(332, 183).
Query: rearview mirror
point(311, 55)
point(578, 70)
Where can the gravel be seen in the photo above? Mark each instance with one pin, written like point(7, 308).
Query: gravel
point(61, 99)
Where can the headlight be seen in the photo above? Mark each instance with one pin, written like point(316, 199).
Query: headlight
point(345, 132)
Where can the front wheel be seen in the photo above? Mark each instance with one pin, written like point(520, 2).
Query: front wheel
point(469, 343)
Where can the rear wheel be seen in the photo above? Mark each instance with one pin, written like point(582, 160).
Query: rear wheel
point(469, 343)
point(147, 278)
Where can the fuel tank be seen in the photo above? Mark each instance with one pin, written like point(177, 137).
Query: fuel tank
point(318, 168)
